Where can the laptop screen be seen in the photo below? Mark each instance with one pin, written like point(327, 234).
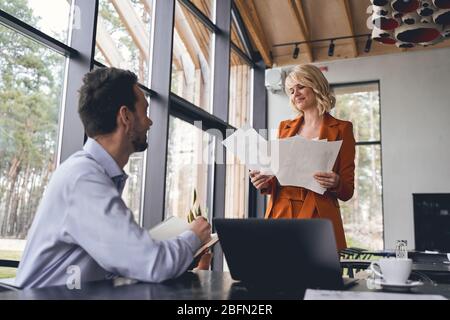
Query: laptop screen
point(281, 253)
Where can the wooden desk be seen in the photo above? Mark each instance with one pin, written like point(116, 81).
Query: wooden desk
point(201, 285)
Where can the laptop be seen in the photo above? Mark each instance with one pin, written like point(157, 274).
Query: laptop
point(282, 254)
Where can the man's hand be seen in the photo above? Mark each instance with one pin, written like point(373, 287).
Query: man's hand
point(202, 229)
point(260, 181)
point(203, 261)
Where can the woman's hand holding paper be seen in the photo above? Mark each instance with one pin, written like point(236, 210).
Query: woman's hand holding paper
point(327, 180)
point(260, 181)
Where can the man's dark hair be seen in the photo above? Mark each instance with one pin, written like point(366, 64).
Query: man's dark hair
point(102, 94)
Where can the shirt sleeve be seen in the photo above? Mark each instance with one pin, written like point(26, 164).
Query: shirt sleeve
point(99, 221)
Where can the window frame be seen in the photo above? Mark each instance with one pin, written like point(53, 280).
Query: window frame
point(79, 54)
point(371, 142)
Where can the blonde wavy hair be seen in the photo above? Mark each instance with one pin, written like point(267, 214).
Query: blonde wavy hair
point(310, 76)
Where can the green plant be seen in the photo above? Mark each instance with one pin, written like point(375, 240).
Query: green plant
point(196, 210)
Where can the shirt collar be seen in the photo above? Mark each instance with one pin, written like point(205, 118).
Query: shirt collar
point(103, 158)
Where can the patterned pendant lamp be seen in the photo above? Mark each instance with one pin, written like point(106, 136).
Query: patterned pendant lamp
point(441, 4)
point(407, 23)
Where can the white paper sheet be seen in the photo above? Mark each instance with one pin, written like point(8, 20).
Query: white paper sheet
point(251, 149)
point(300, 159)
point(313, 294)
point(294, 160)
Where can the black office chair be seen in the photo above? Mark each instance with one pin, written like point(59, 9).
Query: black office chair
point(4, 286)
point(354, 260)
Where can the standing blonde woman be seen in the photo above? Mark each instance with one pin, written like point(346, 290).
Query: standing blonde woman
point(312, 99)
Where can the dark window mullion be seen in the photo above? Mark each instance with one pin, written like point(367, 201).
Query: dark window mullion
point(256, 202)
point(365, 143)
point(242, 55)
point(149, 92)
point(200, 15)
point(72, 135)
point(220, 105)
point(36, 35)
point(242, 31)
point(181, 108)
point(161, 68)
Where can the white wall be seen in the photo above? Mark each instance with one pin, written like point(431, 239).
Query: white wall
point(415, 127)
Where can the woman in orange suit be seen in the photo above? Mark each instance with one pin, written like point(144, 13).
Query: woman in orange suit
point(311, 97)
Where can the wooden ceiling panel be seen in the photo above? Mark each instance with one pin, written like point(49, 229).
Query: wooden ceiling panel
point(252, 21)
point(360, 15)
point(319, 19)
point(326, 18)
point(349, 19)
point(278, 21)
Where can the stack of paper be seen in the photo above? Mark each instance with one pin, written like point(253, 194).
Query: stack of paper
point(294, 160)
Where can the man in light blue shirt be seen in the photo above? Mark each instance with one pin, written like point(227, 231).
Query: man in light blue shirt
point(82, 221)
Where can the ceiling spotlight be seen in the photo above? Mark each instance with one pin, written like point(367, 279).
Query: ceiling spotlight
point(296, 51)
point(331, 49)
point(368, 44)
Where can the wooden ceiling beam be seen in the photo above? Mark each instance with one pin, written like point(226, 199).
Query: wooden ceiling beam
point(182, 34)
point(193, 30)
point(147, 5)
point(204, 6)
point(252, 22)
point(297, 10)
point(107, 47)
point(348, 18)
point(134, 25)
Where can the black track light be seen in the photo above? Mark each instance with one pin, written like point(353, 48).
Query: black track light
point(368, 44)
point(331, 49)
point(296, 51)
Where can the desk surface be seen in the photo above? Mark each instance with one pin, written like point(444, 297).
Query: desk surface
point(201, 285)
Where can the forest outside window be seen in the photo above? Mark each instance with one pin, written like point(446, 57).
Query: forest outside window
point(123, 36)
point(363, 214)
point(190, 151)
point(50, 17)
point(31, 85)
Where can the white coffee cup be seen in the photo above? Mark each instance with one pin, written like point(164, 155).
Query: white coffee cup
point(392, 270)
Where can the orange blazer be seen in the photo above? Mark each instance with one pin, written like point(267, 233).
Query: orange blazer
point(308, 203)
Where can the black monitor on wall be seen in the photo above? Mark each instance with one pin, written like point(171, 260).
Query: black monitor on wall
point(432, 221)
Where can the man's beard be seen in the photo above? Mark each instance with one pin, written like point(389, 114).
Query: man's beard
point(139, 144)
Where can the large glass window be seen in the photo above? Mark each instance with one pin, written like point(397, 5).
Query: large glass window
point(123, 35)
point(363, 214)
point(50, 17)
point(31, 82)
point(123, 41)
point(237, 179)
point(188, 153)
point(191, 59)
point(132, 193)
point(31, 90)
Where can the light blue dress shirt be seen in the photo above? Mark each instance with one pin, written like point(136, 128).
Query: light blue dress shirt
point(82, 221)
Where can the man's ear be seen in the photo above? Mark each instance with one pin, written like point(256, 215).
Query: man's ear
point(124, 117)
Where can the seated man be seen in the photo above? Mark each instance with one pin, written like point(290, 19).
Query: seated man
point(82, 220)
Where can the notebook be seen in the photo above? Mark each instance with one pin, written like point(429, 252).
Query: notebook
point(174, 226)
